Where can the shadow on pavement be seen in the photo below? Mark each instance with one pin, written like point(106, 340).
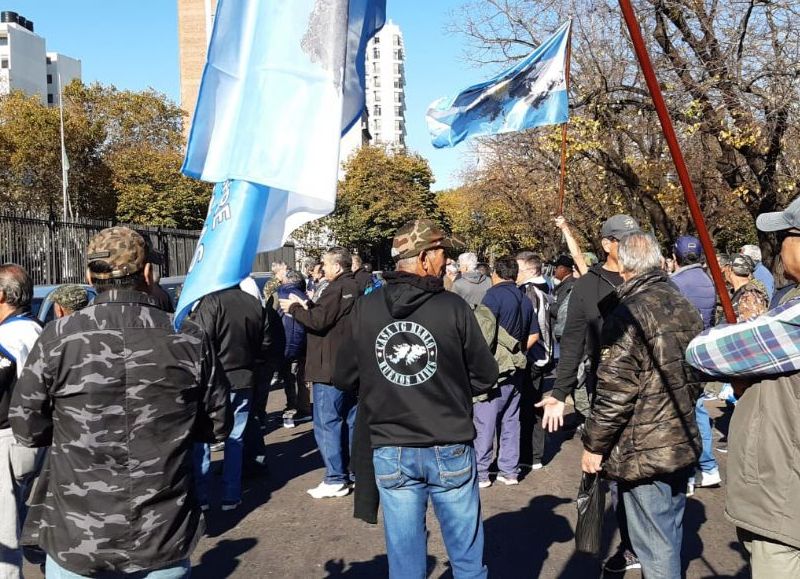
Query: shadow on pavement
point(223, 559)
point(378, 566)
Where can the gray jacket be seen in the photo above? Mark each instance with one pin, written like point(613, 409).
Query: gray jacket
point(472, 286)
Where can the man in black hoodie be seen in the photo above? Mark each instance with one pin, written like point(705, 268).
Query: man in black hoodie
point(334, 411)
point(593, 297)
point(417, 358)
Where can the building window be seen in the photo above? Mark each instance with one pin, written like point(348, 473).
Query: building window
point(398, 68)
point(4, 63)
point(49, 98)
point(398, 83)
point(48, 61)
point(376, 81)
point(377, 124)
point(3, 40)
point(396, 40)
point(377, 96)
point(376, 52)
point(398, 97)
point(376, 110)
point(49, 79)
point(398, 54)
point(398, 111)
point(376, 67)
point(398, 126)
point(377, 40)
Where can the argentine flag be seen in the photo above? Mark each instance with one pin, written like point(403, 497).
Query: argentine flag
point(284, 80)
point(530, 94)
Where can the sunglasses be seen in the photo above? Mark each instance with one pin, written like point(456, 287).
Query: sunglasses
point(782, 235)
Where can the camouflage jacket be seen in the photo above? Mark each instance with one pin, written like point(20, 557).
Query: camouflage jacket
point(120, 397)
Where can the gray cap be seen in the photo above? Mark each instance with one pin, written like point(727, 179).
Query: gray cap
point(743, 265)
point(779, 220)
point(618, 226)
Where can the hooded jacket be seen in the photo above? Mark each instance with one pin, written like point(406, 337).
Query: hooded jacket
point(592, 297)
point(643, 419)
point(417, 357)
point(325, 328)
point(472, 286)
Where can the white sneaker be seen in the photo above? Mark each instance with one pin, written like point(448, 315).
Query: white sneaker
point(708, 479)
point(508, 481)
point(484, 484)
point(329, 491)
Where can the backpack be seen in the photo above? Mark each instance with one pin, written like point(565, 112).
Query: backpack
point(541, 308)
point(561, 315)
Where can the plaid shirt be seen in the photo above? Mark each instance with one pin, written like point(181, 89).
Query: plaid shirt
point(766, 345)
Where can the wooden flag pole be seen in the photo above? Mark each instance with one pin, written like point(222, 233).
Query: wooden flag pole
point(677, 157)
point(563, 179)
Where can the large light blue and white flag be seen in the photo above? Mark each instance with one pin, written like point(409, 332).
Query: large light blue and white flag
point(282, 83)
point(530, 94)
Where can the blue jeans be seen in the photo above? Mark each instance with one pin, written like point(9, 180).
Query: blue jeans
point(334, 421)
point(654, 510)
point(180, 570)
point(232, 462)
point(406, 477)
point(707, 461)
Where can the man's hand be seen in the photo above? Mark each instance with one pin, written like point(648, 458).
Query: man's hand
point(561, 223)
point(591, 463)
point(553, 413)
point(293, 299)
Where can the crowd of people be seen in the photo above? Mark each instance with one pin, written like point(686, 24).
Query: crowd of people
point(431, 382)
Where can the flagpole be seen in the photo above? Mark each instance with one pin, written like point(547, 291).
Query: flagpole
point(677, 157)
point(562, 181)
point(65, 197)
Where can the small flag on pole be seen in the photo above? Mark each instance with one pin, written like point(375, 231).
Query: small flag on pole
point(532, 93)
point(282, 83)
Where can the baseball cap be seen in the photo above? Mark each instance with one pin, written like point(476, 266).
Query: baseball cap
point(420, 235)
point(118, 250)
point(742, 265)
point(779, 220)
point(687, 244)
point(565, 261)
point(618, 225)
point(70, 296)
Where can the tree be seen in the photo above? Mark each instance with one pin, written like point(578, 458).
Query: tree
point(124, 150)
point(729, 72)
point(380, 192)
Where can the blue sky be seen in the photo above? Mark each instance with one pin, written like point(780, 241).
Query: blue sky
point(133, 44)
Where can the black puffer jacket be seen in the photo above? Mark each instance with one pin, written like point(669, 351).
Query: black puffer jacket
point(643, 417)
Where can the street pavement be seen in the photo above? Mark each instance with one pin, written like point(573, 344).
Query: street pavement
point(280, 531)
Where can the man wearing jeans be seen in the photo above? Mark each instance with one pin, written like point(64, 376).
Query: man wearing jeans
point(642, 430)
point(417, 357)
point(334, 411)
point(233, 319)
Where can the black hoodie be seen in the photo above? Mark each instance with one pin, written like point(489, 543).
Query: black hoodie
point(417, 358)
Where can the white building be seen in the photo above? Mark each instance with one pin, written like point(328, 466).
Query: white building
point(385, 88)
point(25, 64)
point(64, 66)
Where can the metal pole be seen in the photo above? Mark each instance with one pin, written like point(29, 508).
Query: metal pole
point(677, 157)
point(562, 181)
point(64, 159)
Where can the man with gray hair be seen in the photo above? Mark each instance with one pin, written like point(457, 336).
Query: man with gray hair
point(761, 273)
point(19, 331)
point(642, 431)
point(472, 285)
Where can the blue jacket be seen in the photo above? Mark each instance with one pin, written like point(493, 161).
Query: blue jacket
point(695, 284)
point(295, 331)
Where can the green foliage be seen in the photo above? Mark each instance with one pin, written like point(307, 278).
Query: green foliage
point(124, 151)
point(380, 192)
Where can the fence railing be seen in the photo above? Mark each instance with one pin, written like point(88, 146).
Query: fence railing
point(54, 251)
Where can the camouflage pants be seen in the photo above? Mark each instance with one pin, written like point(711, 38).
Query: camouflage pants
point(10, 525)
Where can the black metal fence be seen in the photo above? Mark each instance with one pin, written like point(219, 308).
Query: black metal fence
point(54, 251)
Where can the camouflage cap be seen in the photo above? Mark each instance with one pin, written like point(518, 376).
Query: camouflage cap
point(420, 235)
point(119, 250)
point(71, 297)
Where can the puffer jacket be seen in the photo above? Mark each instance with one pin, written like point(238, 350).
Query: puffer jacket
point(643, 419)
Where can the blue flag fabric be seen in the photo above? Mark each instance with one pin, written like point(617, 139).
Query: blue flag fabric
point(530, 94)
point(282, 83)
